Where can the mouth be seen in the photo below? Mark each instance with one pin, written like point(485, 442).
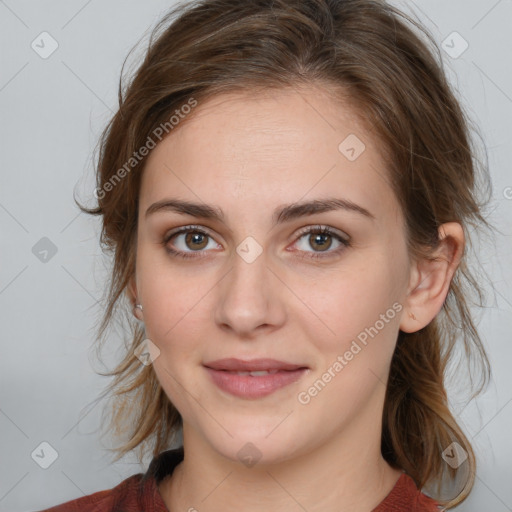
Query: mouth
point(232, 364)
point(255, 378)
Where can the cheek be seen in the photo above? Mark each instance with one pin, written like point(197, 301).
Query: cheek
point(175, 322)
point(352, 363)
point(343, 305)
point(171, 294)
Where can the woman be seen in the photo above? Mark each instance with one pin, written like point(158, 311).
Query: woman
point(286, 189)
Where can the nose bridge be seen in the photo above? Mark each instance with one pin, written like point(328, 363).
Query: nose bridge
point(247, 299)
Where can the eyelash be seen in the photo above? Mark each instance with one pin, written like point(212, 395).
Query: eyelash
point(319, 230)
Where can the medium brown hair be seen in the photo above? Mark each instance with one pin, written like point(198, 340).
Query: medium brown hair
point(391, 71)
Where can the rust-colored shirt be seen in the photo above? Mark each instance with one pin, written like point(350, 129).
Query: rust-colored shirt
point(139, 493)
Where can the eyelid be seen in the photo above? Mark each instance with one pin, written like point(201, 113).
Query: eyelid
point(188, 228)
point(344, 239)
point(319, 227)
point(302, 231)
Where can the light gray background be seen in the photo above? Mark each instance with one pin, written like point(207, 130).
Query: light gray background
point(52, 113)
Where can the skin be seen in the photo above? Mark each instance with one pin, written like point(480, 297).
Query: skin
point(249, 155)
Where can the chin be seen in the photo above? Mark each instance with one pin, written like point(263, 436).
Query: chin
point(252, 445)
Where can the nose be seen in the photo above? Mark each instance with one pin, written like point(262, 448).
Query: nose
point(250, 298)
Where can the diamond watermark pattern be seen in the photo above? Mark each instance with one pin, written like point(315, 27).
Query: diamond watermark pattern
point(147, 352)
point(44, 250)
point(454, 455)
point(44, 455)
point(249, 455)
point(249, 249)
point(351, 147)
point(455, 45)
point(44, 45)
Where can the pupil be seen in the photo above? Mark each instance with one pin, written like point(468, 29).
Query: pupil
point(320, 236)
point(318, 239)
point(195, 238)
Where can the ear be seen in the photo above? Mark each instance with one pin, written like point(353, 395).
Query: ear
point(131, 292)
point(430, 279)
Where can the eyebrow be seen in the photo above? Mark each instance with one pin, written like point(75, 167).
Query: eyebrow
point(280, 215)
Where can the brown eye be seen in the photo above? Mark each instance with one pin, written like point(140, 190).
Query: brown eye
point(321, 239)
point(196, 240)
point(188, 242)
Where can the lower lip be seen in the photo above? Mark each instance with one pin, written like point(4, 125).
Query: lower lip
point(246, 386)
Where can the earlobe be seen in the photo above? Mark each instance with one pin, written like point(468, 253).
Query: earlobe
point(431, 278)
point(137, 311)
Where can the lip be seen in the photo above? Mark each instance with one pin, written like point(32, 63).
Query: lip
point(240, 365)
point(222, 373)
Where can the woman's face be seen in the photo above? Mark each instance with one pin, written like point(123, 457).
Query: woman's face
point(251, 287)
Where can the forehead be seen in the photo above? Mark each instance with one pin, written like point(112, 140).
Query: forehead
point(274, 115)
point(268, 148)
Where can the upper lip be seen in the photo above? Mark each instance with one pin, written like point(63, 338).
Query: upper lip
point(233, 364)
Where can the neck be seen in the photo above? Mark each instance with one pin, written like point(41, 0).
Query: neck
point(345, 473)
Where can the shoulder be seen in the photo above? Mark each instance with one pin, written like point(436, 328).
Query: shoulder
point(130, 495)
point(406, 497)
point(136, 493)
